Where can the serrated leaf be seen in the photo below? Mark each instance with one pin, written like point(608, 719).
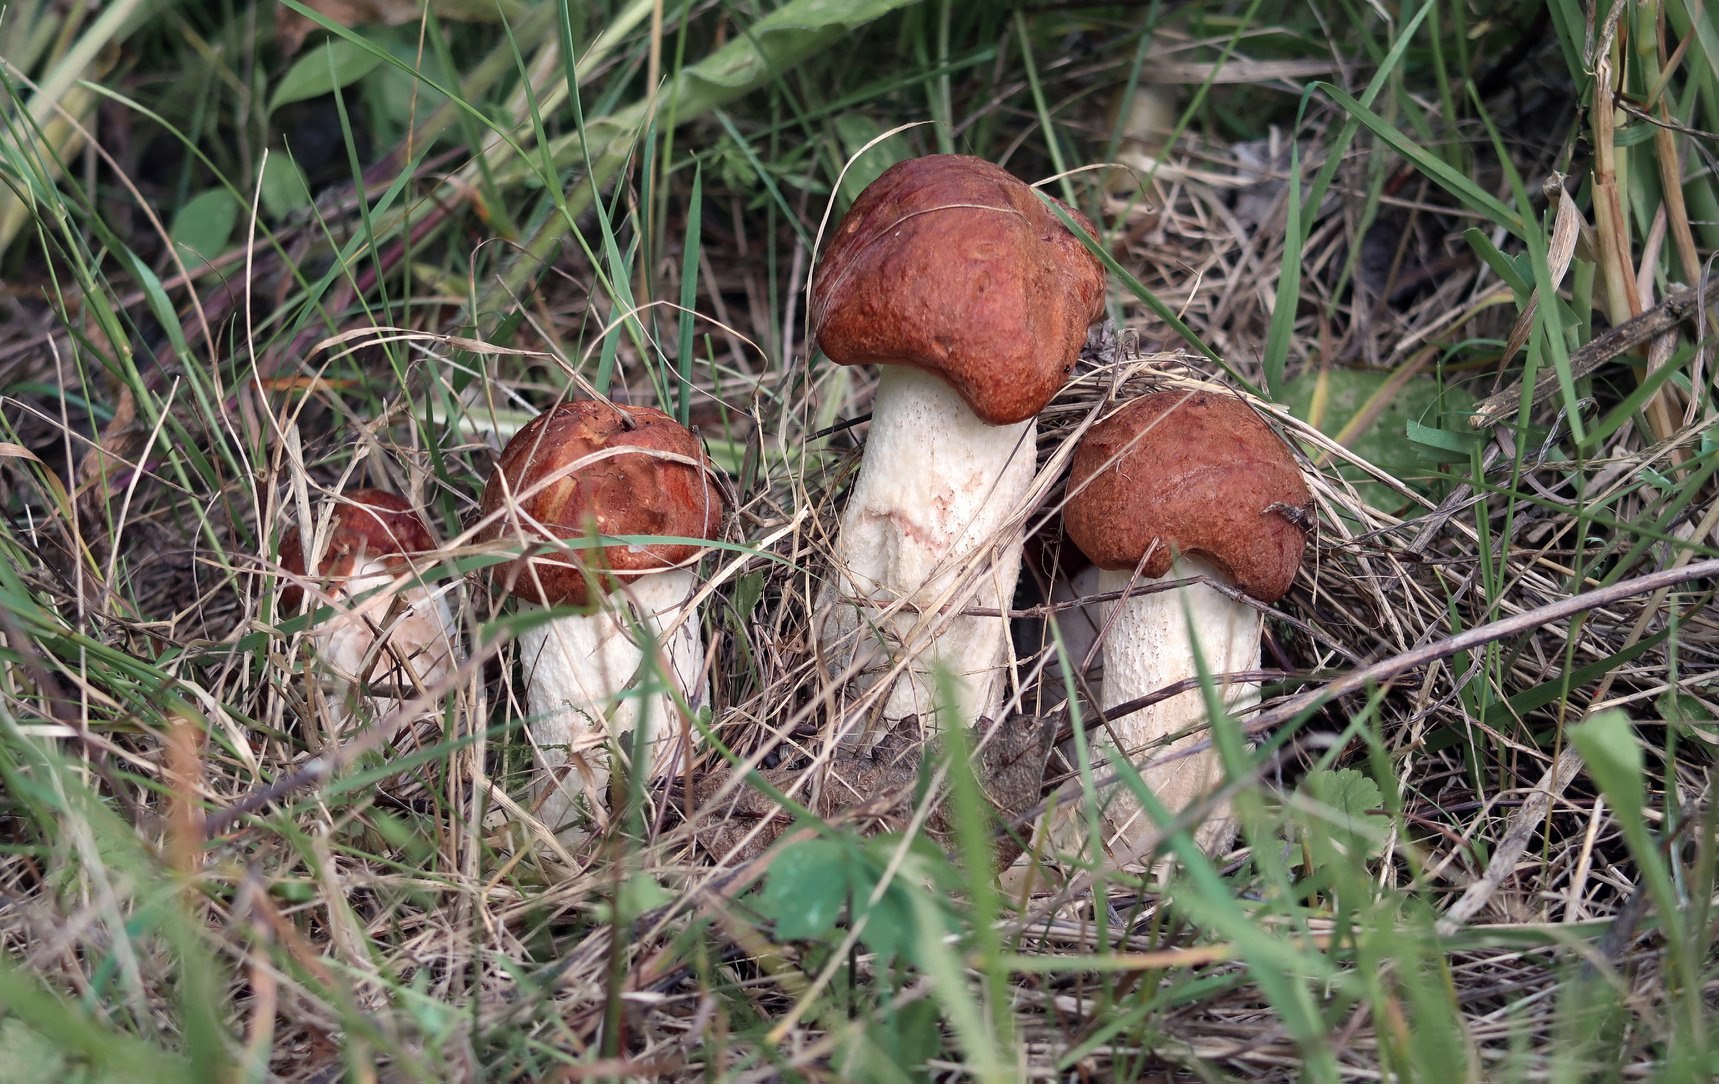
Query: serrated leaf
point(203, 226)
point(1349, 817)
point(1349, 792)
point(807, 885)
point(330, 66)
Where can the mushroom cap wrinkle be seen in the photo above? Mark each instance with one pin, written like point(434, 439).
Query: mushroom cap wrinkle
point(1189, 473)
point(612, 469)
point(950, 264)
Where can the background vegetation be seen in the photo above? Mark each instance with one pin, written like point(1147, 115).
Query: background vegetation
point(250, 254)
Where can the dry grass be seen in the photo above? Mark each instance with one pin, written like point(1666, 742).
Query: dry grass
point(175, 792)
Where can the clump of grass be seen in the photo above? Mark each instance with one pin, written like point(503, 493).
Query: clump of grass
point(1477, 821)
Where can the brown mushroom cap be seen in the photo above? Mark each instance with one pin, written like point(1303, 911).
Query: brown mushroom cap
point(633, 493)
point(1190, 473)
point(952, 265)
point(367, 524)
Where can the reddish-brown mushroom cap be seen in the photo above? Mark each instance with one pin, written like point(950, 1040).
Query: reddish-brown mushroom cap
point(367, 524)
point(1178, 473)
point(952, 265)
point(635, 492)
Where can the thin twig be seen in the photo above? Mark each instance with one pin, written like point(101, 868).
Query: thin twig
point(1683, 305)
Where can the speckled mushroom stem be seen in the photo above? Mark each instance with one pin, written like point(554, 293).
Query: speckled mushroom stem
point(934, 526)
point(1149, 647)
point(591, 687)
point(1179, 484)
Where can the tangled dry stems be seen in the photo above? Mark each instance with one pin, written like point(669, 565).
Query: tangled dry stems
point(155, 570)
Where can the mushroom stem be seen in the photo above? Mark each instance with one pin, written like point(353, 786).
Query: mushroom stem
point(937, 488)
point(394, 636)
point(1147, 646)
point(590, 687)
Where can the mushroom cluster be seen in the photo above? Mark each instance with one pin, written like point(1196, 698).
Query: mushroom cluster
point(975, 295)
point(974, 298)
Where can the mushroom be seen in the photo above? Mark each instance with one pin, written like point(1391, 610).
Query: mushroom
point(578, 471)
point(402, 637)
point(962, 284)
point(1179, 485)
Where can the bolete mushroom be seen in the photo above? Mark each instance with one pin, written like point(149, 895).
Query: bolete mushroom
point(975, 299)
point(402, 638)
point(1180, 485)
point(603, 473)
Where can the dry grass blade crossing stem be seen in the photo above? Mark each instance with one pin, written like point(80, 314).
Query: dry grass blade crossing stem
point(246, 266)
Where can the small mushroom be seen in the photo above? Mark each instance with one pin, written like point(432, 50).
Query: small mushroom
point(1176, 485)
point(384, 631)
point(975, 299)
point(576, 472)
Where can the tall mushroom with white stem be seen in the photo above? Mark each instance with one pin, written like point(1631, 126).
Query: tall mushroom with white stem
point(1178, 485)
point(383, 631)
point(973, 296)
point(576, 472)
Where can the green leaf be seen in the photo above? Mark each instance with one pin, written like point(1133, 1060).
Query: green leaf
point(1439, 445)
point(330, 66)
point(748, 592)
point(889, 928)
point(203, 226)
point(807, 886)
point(855, 131)
point(894, 1048)
point(1384, 438)
point(409, 88)
point(28, 1057)
point(1288, 299)
point(284, 188)
point(1519, 280)
point(1608, 744)
point(924, 863)
point(1352, 800)
point(641, 892)
point(1679, 707)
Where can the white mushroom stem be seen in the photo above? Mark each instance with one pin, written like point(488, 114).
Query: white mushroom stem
point(590, 687)
point(1078, 625)
point(1147, 647)
point(933, 527)
point(384, 631)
